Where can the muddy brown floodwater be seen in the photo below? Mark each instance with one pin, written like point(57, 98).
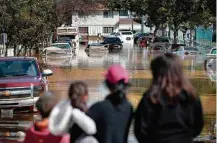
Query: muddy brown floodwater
point(91, 68)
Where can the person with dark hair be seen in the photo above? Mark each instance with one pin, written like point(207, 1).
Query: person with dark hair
point(169, 111)
point(71, 112)
point(113, 115)
point(39, 131)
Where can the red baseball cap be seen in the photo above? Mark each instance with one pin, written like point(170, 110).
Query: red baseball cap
point(116, 73)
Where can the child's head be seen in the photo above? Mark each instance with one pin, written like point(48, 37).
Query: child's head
point(45, 104)
point(78, 94)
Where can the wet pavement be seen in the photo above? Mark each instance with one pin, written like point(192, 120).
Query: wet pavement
point(90, 68)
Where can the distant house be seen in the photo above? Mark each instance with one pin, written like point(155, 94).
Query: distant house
point(103, 22)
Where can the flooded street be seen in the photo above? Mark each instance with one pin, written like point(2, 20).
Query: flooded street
point(90, 68)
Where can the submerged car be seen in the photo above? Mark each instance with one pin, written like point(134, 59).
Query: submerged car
point(59, 50)
point(116, 34)
point(21, 82)
point(210, 60)
point(113, 42)
point(127, 37)
point(97, 49)
point(160, 41)
point(141, 35)
point(186, 50)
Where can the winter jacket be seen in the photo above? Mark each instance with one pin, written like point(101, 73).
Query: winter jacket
point(112, 119)
point(63, 116)
point(167, 123)
point(39, 133)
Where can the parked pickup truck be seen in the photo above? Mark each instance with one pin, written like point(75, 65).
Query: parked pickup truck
point(21, 82)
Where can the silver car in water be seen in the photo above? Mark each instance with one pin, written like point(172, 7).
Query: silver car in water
point(59, 50)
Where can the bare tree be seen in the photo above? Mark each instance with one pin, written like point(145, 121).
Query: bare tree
point(65, 8)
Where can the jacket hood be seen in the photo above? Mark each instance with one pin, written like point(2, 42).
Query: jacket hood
point(63, 116)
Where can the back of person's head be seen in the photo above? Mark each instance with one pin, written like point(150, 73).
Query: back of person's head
point(168, 79)
point(78, 93)
point(117, 80)
point(45, 104)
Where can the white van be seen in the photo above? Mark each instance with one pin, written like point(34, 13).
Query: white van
point(127, 37)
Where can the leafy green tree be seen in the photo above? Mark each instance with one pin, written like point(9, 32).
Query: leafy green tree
point(155, 9)
point(202, 15)
point(27, 22)
point(65, 9)
point(179, 13)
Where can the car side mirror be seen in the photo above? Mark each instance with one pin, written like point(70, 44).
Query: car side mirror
point(47, 72)
point(122, 42)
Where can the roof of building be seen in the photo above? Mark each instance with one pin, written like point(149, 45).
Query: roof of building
point(127, 21)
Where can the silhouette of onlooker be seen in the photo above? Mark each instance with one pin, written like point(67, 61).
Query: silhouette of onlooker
point(169, 111)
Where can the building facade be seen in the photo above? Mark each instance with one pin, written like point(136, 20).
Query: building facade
point(104, 22)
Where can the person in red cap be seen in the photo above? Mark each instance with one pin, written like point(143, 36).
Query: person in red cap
point(114, 114)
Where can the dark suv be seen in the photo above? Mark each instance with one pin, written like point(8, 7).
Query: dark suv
point(21, 82)
point(113, 42)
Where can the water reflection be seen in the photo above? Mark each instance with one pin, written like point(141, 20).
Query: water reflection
point(137, 62)
point(90, 68)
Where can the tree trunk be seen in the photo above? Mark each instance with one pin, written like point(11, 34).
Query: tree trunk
point(6, 50)
point(15, 50)
point(20, 50)
point(184, 33)
point(37, 50)
point(155, 30)
point(175, 36)
point(30, 51)
point(25, 50)
point(191, 39)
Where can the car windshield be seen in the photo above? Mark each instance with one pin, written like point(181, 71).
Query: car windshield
point(112, 40)
point(213, 51)
point(127, 33)
point(117, 34)
point(64, 39)
point(191, 49)
point(62, 46)
point(18, 68)
point(161, 39)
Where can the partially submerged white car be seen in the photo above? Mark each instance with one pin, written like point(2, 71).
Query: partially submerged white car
point(59, 50)
point(210, 61)
point(127, 37)
point(98, 49)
